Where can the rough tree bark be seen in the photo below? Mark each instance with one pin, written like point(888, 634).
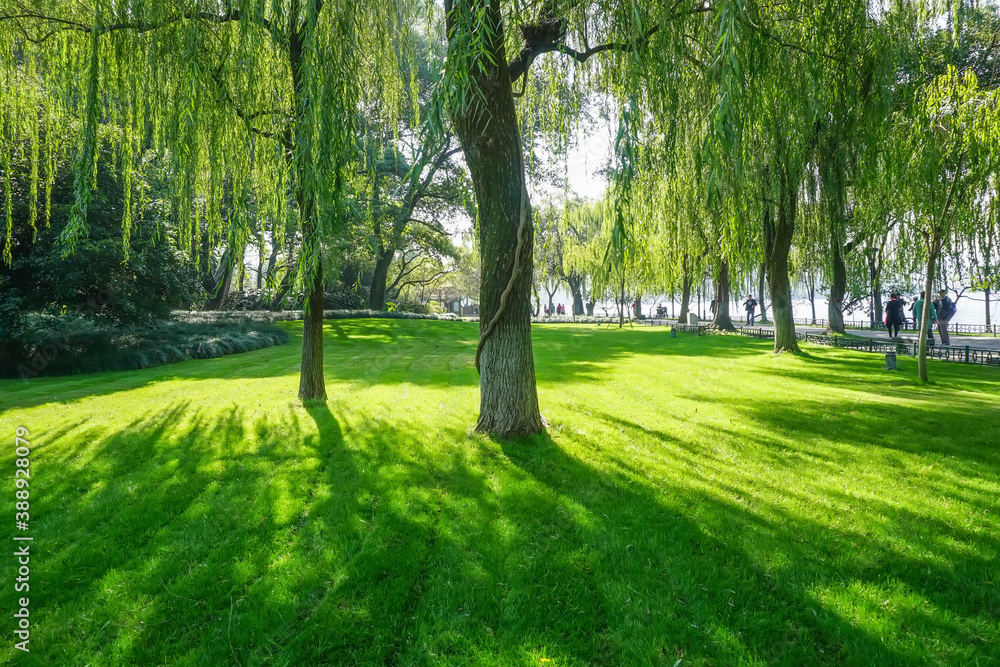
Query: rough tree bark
point(722, 320)
point(576, 288)
point(778, 232)
point(491, 142)
point(312, 385)
point(838, 288)
point(380, 278)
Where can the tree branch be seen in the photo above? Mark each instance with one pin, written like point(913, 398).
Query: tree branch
point(520, 65)
point(138, 27)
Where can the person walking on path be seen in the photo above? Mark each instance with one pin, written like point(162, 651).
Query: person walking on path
point(945, 311)
point(750, 305)
point(894, 316)
point(918, 313)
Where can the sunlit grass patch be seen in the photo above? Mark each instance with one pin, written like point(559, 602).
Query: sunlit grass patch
point(695, 499)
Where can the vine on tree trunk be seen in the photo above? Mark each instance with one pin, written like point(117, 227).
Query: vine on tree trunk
point(517, 264)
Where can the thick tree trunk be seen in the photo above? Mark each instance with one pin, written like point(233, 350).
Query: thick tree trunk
point(376, 296)
point(838, 289)
point(311, 382)
point(590, 307)
point(576, 288)
point(487, 127)
point(637, 307)
point(223, 282)
point(778, 241)
point(685, 300)
point(722, 319)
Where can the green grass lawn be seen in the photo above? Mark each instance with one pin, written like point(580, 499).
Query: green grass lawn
point(696, 499)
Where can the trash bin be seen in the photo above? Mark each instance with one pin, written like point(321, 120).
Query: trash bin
point(890, 361)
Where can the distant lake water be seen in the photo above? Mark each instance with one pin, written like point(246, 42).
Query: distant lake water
point(971, 307)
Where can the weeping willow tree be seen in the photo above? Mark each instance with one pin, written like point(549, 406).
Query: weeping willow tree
point(254, 101)
point(784, 68)
point(618, 47)
point(946, 146)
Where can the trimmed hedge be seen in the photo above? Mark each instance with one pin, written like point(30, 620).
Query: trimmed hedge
point(292, 315)
point(50, 345)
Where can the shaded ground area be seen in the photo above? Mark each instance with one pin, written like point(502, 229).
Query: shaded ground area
point(696, 498)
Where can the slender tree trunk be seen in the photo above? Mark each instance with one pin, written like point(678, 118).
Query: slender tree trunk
point(491, 142)
point(932, 255)
point(376, 295)
point(986, 292)
point(812, 302)
point(621, 303)
point(287, 280)
point(879, 315)
point(838, 289)
point(312, 385)
point(549, 295)
point(722, 319)
point(685, 291)
point(760, 296)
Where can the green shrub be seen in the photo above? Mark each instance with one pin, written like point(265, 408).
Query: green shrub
point(346, 298)
point(65, 345)
point(404, 306)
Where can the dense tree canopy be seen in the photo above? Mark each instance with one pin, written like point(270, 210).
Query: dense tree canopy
point(841, 145)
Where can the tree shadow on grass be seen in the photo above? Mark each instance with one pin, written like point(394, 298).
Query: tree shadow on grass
point(316, 536)
point(775, 573)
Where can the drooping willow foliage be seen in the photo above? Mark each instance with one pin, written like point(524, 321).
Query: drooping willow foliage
point(252, 105)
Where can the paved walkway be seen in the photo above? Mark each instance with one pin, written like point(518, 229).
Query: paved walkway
point(982, 342)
